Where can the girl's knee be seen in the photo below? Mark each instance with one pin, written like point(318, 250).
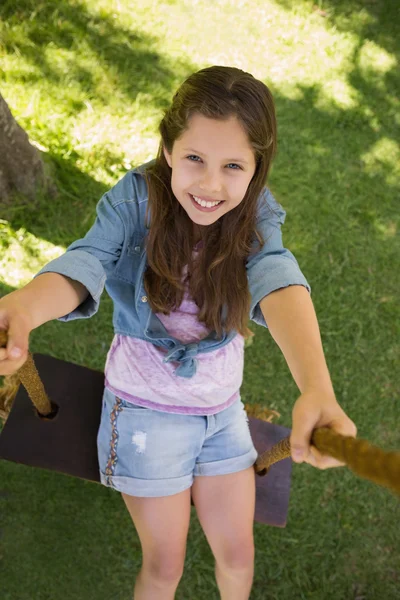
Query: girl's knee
point(165, 568)
point(237, 557)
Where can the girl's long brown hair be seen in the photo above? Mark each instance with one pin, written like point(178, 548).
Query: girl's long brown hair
point(217, 278)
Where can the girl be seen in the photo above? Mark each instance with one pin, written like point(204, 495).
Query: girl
point(189, 247)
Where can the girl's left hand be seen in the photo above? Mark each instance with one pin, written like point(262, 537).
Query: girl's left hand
point(312, 410)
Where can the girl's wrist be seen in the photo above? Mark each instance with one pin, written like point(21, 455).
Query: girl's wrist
point(325, 391)
point(19, 305)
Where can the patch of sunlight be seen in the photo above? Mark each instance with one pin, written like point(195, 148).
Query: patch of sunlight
point(279, 45)
point(319, 150)
point(115, 129)
point(18, 68)
point(386, 230)
point(373, 57)
point(78, 70)
point(385, 299)
point(38, 145)
point(121, 143)
point(23, 255)
point(32, 108)
point(343, 95)
point(383, 159)
point(64, 61)
point(15, 95)
point(373, 119)
point(88, 104)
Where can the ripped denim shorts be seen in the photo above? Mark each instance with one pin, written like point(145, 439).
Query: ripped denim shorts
point(149, 453)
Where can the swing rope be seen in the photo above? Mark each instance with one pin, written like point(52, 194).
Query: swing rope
point(361, 457)
point(365, 460)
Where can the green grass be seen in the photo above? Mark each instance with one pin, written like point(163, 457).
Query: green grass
point(89, 81)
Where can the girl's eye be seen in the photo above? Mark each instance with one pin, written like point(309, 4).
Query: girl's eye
point(195, 156)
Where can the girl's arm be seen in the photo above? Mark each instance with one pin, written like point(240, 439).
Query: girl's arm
point(50, 296)
point(291, 319)
point(47, 297)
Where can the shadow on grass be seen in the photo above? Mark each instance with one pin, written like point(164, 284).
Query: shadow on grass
point(334, 140)
point(368, 19)
point(67, 216)
point(125, 55)
point(322, 172)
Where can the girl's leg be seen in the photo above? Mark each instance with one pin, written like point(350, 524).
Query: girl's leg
point(162, 525)
point(225, 506)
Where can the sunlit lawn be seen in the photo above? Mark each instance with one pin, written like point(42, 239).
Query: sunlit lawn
point(89, 82)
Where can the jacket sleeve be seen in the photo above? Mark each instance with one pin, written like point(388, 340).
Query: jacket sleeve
point(273, 266)
point(90, 259)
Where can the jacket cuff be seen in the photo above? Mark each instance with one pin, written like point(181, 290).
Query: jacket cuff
point(282, 272)
point(85, 268)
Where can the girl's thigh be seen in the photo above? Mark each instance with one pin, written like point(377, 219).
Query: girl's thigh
point(225, 506)
point(162, 525)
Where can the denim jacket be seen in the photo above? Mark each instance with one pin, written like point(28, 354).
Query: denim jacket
point(112, 255)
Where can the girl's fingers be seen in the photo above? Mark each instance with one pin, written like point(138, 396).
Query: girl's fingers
point(321, 461)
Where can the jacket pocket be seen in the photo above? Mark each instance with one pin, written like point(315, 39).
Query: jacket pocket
point(129, 262)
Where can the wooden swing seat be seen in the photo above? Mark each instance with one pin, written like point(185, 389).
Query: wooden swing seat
point(67, 442)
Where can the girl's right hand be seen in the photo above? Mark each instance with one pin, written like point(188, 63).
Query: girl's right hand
point(15, 321)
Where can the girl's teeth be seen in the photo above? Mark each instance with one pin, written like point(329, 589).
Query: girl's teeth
point(204, 203)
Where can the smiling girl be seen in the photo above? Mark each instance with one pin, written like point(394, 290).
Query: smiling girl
point(189, 247)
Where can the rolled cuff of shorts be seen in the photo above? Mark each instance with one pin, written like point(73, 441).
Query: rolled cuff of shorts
point(148, 488)
point(229, 465)
point(283, 274)
point(85, 268)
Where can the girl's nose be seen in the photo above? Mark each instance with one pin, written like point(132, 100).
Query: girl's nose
point(211, 182)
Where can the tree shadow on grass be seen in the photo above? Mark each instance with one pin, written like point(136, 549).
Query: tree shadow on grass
point(62, 218)
point(127, 57)
point(333, 143)
point(376, 20)
point(304, 128)
point(350, 173)
point(353, 132)
point(82, 528)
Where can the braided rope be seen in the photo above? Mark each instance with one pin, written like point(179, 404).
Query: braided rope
point(360, 456)
point(30, 379)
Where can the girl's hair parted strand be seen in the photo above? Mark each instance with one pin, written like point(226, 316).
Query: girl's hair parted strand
point(217, 278)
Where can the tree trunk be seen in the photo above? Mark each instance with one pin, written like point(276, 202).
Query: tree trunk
point(22, 170)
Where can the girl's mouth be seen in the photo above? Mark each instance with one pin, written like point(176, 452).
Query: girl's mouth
point(209, 206)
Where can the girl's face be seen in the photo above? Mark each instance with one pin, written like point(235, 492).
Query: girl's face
point(212, 165)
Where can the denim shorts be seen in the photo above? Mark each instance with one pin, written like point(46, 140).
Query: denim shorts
point(149, 453)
